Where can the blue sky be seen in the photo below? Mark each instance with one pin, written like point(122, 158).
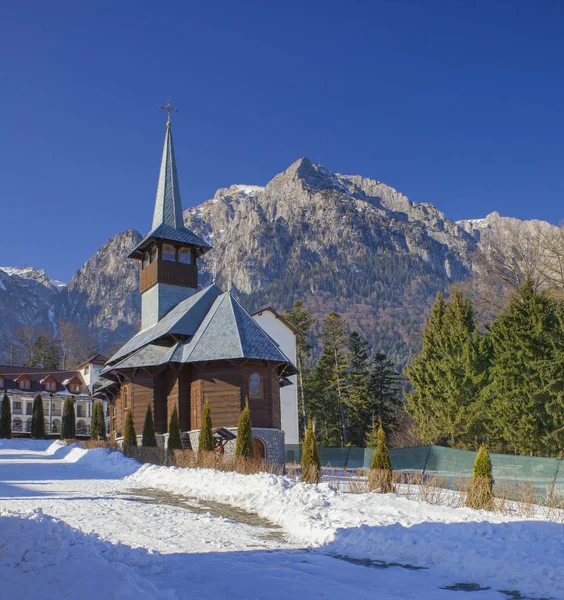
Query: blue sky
point(457, 103)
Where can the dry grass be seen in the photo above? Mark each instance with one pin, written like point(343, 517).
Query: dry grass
point(145, 454)
point(89, 444)
point(188, 459)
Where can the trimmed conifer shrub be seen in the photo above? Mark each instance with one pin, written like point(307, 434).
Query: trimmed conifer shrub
point(68, 430)
point(6, 418)
point(205, 443)
point(149, 438)
point(311, 465)
point(480, 494)
point(244, 446)
point(98, 424)
point(129, 436)
point(380, 477)
point(38, 419)
point(174, 437)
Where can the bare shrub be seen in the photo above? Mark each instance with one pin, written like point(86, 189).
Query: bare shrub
point(380, 480)
point(90, 444)
point(228, 463)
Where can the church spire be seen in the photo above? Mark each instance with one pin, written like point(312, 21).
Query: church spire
point(168, 205)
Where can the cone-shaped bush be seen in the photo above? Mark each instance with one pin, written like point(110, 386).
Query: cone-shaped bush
point(205, 443)
point(6, 418)
point(129, 436)
point(98, 425)
point(311, 465)
point(245, 446)
point(149, 438)
point(480, 494)
point(174, 438)
point(38, 419)
point(380, 477)
point(68, 431)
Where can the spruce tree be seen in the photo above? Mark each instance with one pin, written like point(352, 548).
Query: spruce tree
point(149, 438)
point(358, 387)
point(371, 440)
point(98, 423)
point(245, 446)
point(174, 437)
point(525, 399)
point(129, 436)
point(480, 494)
point(385, 391)
point(311, 465)
point(6, 418)
point(205, 443)
point(68, 429)
point(381, 475)
point(38, 419)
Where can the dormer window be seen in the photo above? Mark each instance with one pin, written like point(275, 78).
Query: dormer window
point(169, 252)
point(185, 256)
point(50, 386)
point(74, 388)
point(24, 383)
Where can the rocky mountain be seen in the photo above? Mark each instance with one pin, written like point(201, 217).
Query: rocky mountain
point(338, 242)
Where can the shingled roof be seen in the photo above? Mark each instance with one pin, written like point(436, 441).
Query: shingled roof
point(211, 325)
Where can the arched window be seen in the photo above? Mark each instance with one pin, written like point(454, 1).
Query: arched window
point(125, 397)
point(255, 386)
point(185, 256)
point(169, 252)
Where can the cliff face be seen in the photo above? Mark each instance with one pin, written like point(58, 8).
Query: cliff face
point(339, 242)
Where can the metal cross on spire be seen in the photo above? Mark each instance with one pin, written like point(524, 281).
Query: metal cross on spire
point(169, 110)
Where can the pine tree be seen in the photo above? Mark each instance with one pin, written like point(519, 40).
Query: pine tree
point(68, 429)
point(371, 440)
point(311, 465)
point(44, 353)
point(480, 494)
point(149, 438)
point(98, 424)
point(525, 398)
point(244, 443)
point(6, 418)
point(358, 388)
point(385, 393)
point(129, 436)
point(301, 319)
point(381, 475)
point(174, 437)
point(448, 375)
point(38, 419)
point(205, 443)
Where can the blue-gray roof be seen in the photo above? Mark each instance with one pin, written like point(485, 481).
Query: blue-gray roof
point(225, 332)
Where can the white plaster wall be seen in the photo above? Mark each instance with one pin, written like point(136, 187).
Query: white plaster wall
point(286, 339)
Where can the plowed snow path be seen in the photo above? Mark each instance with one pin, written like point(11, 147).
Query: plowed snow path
point(192, 553)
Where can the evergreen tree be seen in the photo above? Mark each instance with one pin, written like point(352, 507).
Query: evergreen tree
point(311, 465)
point(371, 440)
point(68, 430)
point(174, 437)
point(98, 423)
point(6, 418)
point(381, 475)
point(525, 398)
point(328, 382)
point(244, 443)
point(448, 375)
point(385, 393)
point(44, 353)
point(205, 443)
point(149, 438)
point(300, 318)
point(480, 494)
point(129, 436)
point(358, 396)
point(38, 419)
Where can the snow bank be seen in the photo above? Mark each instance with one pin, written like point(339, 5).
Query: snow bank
point(42, 557)
point(475, 545)
point(103, 460)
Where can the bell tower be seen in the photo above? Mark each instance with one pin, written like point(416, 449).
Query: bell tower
point(169, 252)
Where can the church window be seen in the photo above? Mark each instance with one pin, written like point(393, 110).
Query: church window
point(153, 252)
point(185, 256)
point(1, 381)
point(125, 397)
point(169, 252)
point(146, 260)
point(255, 386)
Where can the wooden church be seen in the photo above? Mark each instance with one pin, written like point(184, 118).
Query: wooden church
point(194, 343)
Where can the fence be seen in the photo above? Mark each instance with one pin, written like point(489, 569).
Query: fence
point(445, 462)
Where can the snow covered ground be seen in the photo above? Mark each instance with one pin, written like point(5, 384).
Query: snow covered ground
point(92, 524)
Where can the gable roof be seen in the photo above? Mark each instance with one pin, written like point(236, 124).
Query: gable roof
point(280, 318)
point(225, 331)
point(97, 359)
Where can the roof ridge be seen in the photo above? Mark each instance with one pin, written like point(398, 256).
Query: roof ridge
point(232, 299)
point(199, 334)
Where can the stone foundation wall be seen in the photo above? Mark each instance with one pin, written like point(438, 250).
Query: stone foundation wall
point(273, 440)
